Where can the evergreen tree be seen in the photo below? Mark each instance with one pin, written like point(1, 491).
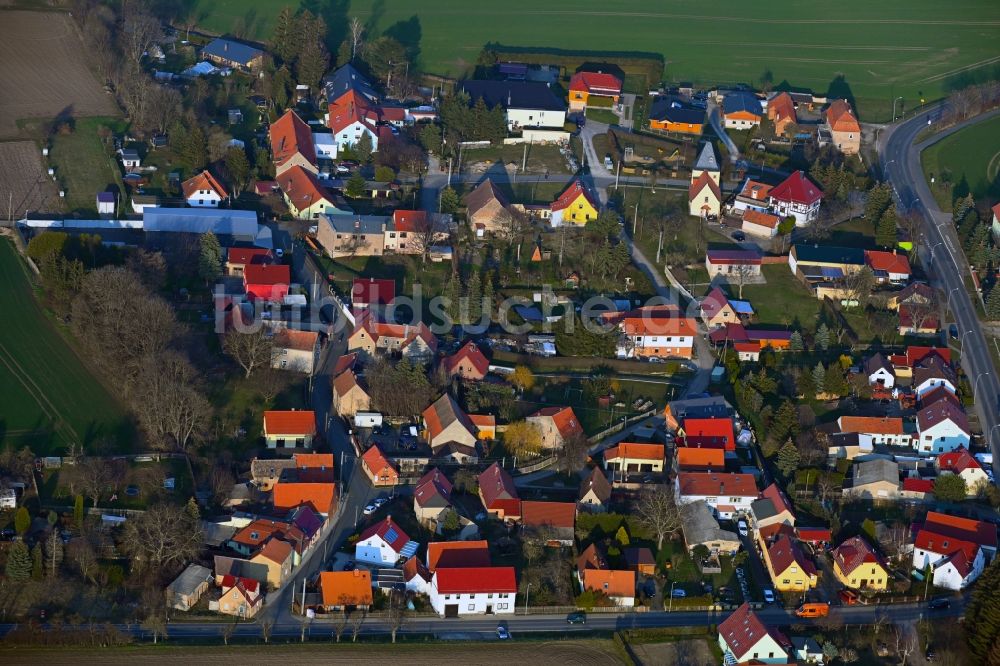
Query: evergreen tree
point(355, 186)
point(621, 536)
point(281, 86)
point(786, 421)
point(885, 232)
point(819, 377)
point(474, 294)
point(210, 258)
point(962, 207)
point(36, 562)
point(192, 510)
point(238, 167)
point(805, 384)
point(284, 40)
point(982, 615)
point(312, 63)
point(834, 382)
point(968, 224)
point(451, 295)
point(950, 488)
point(879, 199)
point(993, 303)
point(795, 343)
point(18, 562)
point(78, 512)
point(788, 459)
point(449, 201)
point(363, 148)
point(194, 149)
point(22, 520)
point(823, 337)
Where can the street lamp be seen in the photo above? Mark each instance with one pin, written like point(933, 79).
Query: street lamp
point(934, 247)
point(894, 108)
point(975, 386)
point(670, 606)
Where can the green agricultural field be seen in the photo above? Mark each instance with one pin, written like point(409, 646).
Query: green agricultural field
point(47, 397)
point(972, 154)
point(83, 165)
point(908, 48)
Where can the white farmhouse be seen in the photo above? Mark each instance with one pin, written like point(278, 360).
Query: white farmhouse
point(473, 591)
point(384, 543)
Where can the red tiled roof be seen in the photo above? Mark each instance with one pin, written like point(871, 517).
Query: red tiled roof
point(203, 181)
point(734, 257)
point(302, 188)
point(784, 553)
point(976, 531)
point(714, 303)
point(475, 580)
point(754, 216)
point(293, 422)
point(841, 118)
point(314, 461)
point(471, 353)
point(890, 262)
point(442, 413)
point(266, 275)
point(813, 534)
point(744, 629)
point(563, 418)
point(350, 108)
point(941, 411)
point(289, 135)
point(712, 484)
point(289, 338)
point(915, 354)
point(410, 220)
point(781, 107)
point(665, 323)
point(596, 83)
point(548, 514)
point(378, 464)
point(591, 558)
point(387, 530)
point(434, 482)
point(572, 193)
point(248, 255)
point(495, 484)
point(798, 189)
point(957, 461)
point(709, 432)
point(701, 182)
point(457, 555)
point(344, 363)
point(276, 550)
point(853, 553)
point(918, 485)
point(755, 190)
point(778, 499)
point(372, 291)
point(872, 425)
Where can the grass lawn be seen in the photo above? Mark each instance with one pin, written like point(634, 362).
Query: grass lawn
point(593, 418)
point(602, 116)
point(884, 50)
point(856, 232)
point(148, 476)
point(83, 165)
point(971, 155)
point(47, 397)
point(783, 300)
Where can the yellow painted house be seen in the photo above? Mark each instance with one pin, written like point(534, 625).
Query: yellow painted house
point(790, 570)
point(858, 566)
point(305, 197)
point(574, 206)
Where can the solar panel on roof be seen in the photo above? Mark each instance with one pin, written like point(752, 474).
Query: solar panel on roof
point(409, 550)
point(391, 535)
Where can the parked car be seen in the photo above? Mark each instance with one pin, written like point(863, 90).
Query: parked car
point(769, 595)
point(939, 604)
point(369, 509)
point(739, 236)
point(742, 526)
point(813, 610)
point(502, 633)
point(678, 594)
point(349, 565)
point(576, 618)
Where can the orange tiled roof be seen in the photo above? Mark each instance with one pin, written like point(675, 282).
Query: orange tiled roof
point(611, 582)
point(873, 425)
point(564, 419)
point(553, 514)
point(754, 216)
point(841, 118)
point(203, 181)
point(288, 338)
point(452, 554)
point(346, 588)
point(290, 135)
point(288, 495)
point(302, 188)
point(781, 107)
point(635, 451)
point(292, 422)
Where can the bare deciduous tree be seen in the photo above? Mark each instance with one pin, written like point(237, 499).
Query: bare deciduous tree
point(357, 34)
point(397, 612)
point(657, 510)
point(163, 537)
point(170, 406)
point(741, 276)
point(140, 30)
point(266, 627)
point(252, 350)
point(357, 620)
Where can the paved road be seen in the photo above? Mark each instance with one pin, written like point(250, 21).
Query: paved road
point(485, 626)
point(715, 120)
point(900, 159)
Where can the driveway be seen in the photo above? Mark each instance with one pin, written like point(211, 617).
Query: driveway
point(715, 120)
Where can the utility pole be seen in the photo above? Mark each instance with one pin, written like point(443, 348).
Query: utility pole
point(659, 246)
point(450, 160)
point(524, 158)
point(635, 219)
point(618, 173)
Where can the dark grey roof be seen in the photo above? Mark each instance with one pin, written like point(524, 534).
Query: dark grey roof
point(514, 94)
point(675, 110)
point(241, 224)
point(347, 78)
point(707, 160)
point(701, 408)
point(875, 362)
point(352, 224)
point(700, 526)
point(829, 254)
point(876, 471)
point(741, 101)
point(231, 50)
